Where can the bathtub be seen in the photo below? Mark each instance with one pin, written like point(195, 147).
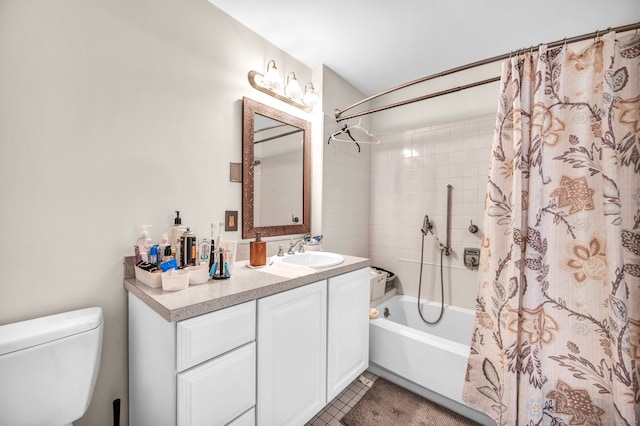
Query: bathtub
point(429, 360)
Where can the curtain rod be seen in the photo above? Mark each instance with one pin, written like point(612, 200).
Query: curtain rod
point(338, 113)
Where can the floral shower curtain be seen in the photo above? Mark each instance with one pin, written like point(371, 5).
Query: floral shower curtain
point(556, 339)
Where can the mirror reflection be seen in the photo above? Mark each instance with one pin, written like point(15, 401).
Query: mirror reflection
point(276, 172)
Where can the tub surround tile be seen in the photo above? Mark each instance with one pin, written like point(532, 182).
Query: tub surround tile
point(244, 285)
point(455, 153)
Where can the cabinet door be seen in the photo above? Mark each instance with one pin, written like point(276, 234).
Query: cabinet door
point(292, 350)
point(219, 390)
point(348, 332)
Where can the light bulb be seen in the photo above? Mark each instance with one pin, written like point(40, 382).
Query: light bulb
point(310, 98)
point(293, 88)
point(272, 79)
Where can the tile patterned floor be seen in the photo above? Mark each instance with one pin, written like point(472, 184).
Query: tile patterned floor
point(345, 401)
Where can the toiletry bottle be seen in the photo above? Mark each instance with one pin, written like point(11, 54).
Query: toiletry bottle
point(162, 250)
point(175, 233)
point(204, 250)
point(154, 255)
point(168, 254)
point(258, 252)
point(143, 244)
point(188, 248)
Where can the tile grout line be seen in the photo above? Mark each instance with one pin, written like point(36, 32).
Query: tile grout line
point(335, 410)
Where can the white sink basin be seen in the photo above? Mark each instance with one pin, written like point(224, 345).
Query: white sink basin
point(312, 259)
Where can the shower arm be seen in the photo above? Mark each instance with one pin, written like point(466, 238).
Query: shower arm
point(447, 247)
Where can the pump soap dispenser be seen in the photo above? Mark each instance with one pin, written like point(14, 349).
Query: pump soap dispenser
point(257, 252)
point(143, 245)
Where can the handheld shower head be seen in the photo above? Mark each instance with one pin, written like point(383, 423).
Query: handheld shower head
point(427, 226)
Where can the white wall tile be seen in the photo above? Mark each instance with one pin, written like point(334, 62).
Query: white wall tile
point(415, 184)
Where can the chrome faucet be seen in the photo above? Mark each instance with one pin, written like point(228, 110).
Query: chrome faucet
point(292, 245)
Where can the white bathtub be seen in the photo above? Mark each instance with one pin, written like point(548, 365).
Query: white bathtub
point(430, 360)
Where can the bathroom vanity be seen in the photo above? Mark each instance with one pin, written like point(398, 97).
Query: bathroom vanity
point(257, 348)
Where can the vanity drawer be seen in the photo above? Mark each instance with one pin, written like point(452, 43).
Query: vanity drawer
point(218, 391)
point(209, 335)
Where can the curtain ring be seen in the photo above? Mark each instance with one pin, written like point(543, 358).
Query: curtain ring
point(597, 39)
point(564, 43)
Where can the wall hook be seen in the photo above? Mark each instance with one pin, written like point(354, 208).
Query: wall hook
point(473, 228)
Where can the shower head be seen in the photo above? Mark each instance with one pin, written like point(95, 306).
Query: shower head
point(427, 226)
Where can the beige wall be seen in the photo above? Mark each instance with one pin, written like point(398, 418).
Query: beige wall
point(113, 114)
point(345, 182)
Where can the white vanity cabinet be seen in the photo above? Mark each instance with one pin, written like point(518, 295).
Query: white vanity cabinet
point(273, 361)
point(348, 330)
point(200, 371)
point(313, 341)
point(292, 359)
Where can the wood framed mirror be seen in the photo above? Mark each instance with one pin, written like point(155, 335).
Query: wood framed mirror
point(276, 172)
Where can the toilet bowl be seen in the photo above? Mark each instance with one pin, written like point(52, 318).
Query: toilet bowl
point(49, 367)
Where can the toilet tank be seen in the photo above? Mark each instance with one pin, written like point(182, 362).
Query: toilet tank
point(48, 367)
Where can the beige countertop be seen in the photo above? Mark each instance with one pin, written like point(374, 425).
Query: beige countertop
point(244, 284)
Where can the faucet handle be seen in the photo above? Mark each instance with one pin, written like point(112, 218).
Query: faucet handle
point(280, 251)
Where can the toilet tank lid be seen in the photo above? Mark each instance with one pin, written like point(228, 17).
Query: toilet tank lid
point(37, 331)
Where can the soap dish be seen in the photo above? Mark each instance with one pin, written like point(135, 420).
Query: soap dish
point(248, 265)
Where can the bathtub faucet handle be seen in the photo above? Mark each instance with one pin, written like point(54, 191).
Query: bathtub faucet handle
point(471, 258)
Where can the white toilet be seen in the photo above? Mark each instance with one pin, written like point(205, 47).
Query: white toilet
point(48, 368)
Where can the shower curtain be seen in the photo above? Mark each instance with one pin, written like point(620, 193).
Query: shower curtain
point(556, 339)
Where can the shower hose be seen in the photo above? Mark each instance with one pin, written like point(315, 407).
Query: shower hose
point(442, 249)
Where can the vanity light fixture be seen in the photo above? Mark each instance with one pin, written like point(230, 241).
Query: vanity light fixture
point(271, 84)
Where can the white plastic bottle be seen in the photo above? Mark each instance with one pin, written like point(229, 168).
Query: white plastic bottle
point(204, 250)
point(163, 247)
point(143, 244)
point(175, 233)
